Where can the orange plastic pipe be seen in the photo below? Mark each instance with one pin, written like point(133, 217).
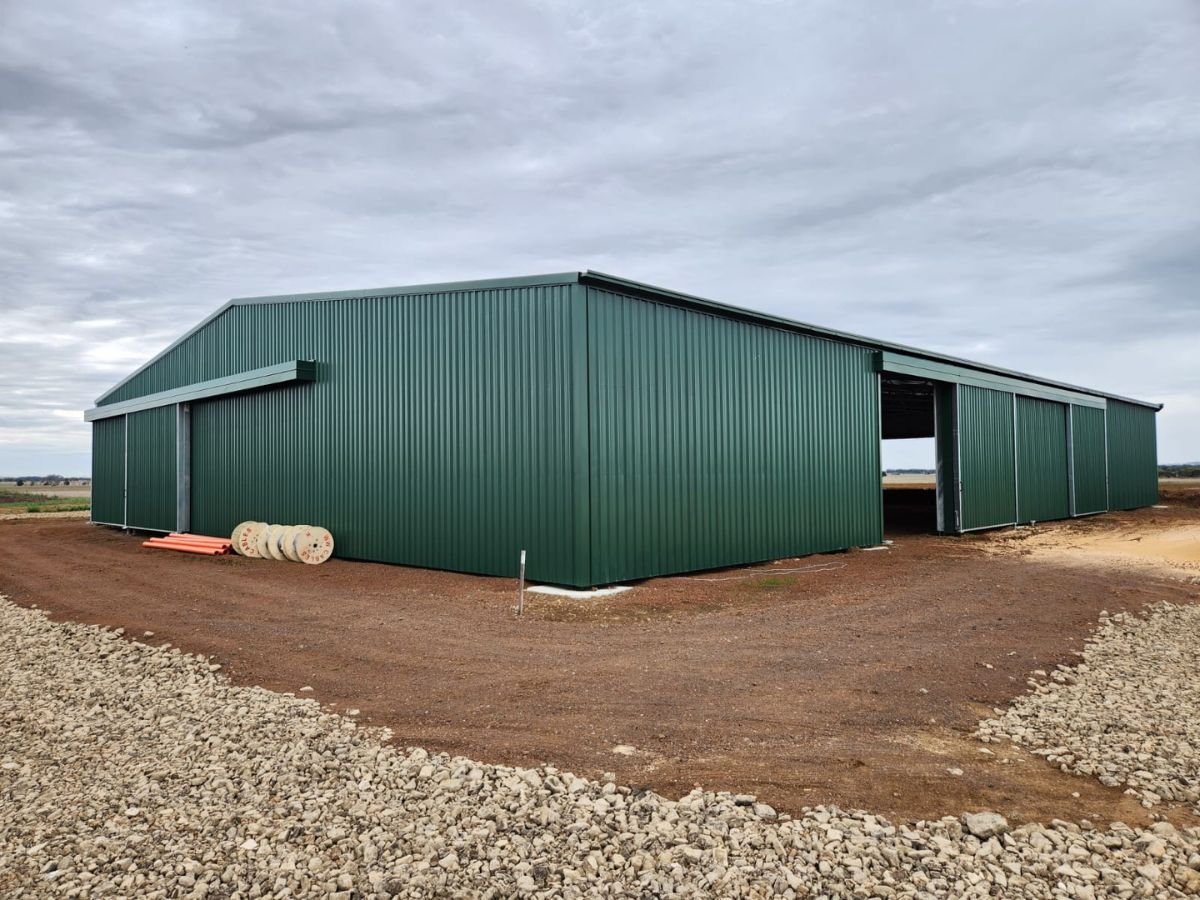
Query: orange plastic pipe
point(200, 551)
point(175, 535)
point(175, 542)
point(180, 545)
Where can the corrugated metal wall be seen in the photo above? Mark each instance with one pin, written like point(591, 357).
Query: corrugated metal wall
point(985, 434)
point(1132, 456)
point(108, 471)
point(716, 442)
point(151, 483)
point(611, 436)
point(441, 431)
point(1088, 460)
point(1043, 479)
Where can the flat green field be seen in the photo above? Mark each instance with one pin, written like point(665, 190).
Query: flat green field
point(34, 498)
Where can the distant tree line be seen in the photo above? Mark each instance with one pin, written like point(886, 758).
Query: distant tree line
point(45, 480)
point(1180, 470)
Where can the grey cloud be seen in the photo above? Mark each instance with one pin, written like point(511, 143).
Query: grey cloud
point(29, 93)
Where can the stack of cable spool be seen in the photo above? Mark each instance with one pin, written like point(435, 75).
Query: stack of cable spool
point(309, 544)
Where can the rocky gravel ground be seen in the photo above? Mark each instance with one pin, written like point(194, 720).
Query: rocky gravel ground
point(128, 770)
point(1127, 714)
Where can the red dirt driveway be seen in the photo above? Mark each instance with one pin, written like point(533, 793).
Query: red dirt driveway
point(856, 680)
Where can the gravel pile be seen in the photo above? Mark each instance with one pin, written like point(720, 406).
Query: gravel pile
point(127, 770)
point(1127, 714)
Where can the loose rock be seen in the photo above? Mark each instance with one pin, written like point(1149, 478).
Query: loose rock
point(985, 824)
point(1127, 715)
point(132, 770)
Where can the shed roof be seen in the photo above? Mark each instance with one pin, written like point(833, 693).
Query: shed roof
point(646, 291)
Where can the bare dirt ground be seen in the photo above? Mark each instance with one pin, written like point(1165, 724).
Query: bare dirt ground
point(916, 481)
point(70, 514)
point(1170, 547)
point(856, 680)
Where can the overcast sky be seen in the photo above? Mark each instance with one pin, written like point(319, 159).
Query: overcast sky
point(1017, 183)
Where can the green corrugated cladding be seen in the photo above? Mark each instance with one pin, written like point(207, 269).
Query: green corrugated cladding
point(1043, 478)
point(442, 429)
point(985, 435)
point(612, 435)
point(716, 442)
point(1088, 454)
point(151, 484)
point(108, 471)
point(1132, 456)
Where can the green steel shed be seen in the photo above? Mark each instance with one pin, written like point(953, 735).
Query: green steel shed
point(613, 430)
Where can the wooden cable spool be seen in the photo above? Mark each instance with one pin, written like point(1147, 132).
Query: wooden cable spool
point(314, 544)
point(235, 537)
point(274, 533)
point(287, 543)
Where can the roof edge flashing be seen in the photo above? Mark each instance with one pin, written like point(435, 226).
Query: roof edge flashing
point(594, 278)
point(445, 287)
point(615, 282)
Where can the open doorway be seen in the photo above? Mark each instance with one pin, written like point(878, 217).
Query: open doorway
point(909, 455)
